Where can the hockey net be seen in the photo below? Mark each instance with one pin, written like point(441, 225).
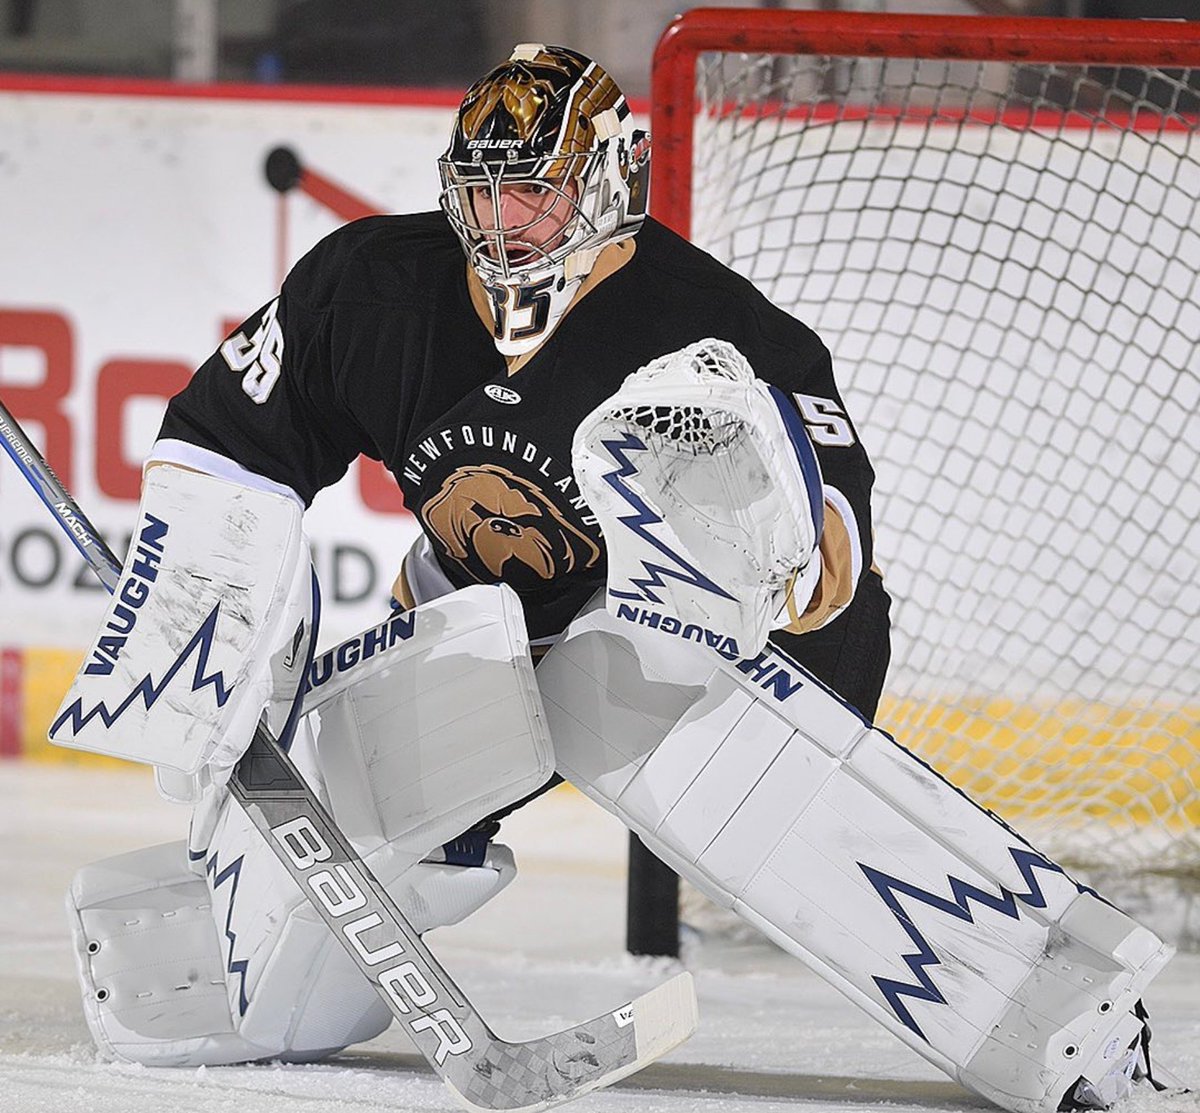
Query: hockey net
point(993, 224)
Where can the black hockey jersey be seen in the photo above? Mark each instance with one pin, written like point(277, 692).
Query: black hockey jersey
point(374, 347)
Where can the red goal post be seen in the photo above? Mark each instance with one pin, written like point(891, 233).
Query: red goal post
point(1083, 42)
point(993, 223)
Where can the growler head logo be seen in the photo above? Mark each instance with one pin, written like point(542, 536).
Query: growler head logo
point(498, 526)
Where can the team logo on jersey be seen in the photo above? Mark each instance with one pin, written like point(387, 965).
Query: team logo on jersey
point(503, 394)
point(497, 526)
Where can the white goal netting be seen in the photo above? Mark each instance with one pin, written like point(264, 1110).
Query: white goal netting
point(1003, 257)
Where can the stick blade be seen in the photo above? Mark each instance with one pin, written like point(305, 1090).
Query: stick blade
point(539, 1074)
point(663, 1019)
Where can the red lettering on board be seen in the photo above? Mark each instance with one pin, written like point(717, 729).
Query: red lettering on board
point(50, 335)
point(378, 488)
point(118, 473)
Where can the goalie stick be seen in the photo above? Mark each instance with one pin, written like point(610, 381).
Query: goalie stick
point(483, 1071)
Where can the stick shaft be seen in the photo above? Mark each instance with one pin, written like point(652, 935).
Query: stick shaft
point(58, 500)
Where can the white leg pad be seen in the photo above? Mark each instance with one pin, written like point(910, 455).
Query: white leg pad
point(417, 729)
point(144, 939)
point(156, 972)
point(779, 801)
point(413, 732)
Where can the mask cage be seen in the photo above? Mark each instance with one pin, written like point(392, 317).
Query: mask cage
point(503, 250)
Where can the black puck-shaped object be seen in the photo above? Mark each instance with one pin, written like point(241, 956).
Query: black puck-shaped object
point(282, 169)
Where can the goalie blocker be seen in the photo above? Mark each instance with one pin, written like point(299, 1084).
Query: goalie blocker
point(204, 630)
point(777, 800)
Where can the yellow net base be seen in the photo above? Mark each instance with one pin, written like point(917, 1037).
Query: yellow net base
point(1088, 781)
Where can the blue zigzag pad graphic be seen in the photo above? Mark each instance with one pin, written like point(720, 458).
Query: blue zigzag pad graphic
point(201, 644)
point(640, 521)
point(891, 889)
point(232, 871)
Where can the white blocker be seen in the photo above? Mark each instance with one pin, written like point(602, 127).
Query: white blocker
point(779, 801)
point(209, 624)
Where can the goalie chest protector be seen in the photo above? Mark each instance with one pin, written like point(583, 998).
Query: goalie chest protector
point(763, 789)
point(483, 457)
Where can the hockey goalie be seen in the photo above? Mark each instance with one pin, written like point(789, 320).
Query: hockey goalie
point(627, 464)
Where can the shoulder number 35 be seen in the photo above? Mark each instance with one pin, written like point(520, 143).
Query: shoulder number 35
point(257, 357)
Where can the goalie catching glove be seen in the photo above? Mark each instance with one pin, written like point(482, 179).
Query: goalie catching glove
point(708, 493)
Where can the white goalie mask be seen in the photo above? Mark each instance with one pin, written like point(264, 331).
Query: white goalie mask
point(544, 169)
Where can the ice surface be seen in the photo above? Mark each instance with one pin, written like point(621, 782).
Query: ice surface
point(546, 953)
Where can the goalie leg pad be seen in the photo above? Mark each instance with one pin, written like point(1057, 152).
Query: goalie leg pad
point(777, 800)
point(156, 970)
point(419, 728)
point(148, 960)
point(413, 732)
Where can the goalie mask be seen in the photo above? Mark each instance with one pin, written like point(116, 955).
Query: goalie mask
point(544, 170)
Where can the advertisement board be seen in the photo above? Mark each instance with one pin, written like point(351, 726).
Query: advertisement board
point(138, 228)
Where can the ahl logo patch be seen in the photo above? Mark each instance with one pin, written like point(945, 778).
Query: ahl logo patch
point(503, 394)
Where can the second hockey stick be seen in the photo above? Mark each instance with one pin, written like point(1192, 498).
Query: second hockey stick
point(483, 1071)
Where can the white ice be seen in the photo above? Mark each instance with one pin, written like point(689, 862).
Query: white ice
point(547, 952)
